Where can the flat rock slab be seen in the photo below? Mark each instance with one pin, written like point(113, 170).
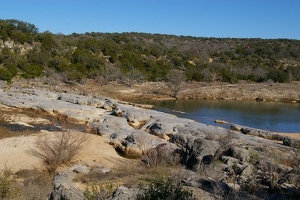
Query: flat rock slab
point(49, 103)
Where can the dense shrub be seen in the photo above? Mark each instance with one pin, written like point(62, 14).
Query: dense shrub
point(152, 55)
point(278, 75)
point(5, 75)
point(164, 189)
point(32, 71)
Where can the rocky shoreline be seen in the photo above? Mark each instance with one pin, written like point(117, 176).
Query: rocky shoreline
point(238, 162)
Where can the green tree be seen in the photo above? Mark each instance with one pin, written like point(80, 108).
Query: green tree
point(38, 57)
point(48, 42)
point(60, 64)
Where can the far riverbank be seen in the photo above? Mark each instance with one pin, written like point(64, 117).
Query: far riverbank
point(241, 91)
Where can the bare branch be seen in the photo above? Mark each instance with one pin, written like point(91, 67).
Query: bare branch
point(58, 148)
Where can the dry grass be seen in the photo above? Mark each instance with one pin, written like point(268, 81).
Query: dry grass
point(25, 184)
point(126, 175)
point(33, 184)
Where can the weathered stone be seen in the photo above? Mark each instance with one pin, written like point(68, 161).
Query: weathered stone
point(123, 192)
point(136, 116)
point(166, 154)
point(230, 161)
point(247, 171)
point(202, 151)
point(64, 178)
point(66, 193)
point(82, 169)
point(63, 187)
point(234, 186)
point(109, 125)
point(239, 153)
point(139, 142)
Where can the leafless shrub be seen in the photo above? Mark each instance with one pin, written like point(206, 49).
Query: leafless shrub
point(175, 78)
point(58, 148)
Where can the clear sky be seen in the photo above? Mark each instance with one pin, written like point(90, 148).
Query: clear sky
point(203, 18)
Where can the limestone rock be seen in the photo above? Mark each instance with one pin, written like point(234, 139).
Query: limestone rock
point(136, 116)
point(123, 192)
point(82, 169)
point(239, 153)
point(67, 193)
point(110, 125)
point(230, 161)
point(63, 187)
point(165, 154)
point(202, 152)
point(139, 142)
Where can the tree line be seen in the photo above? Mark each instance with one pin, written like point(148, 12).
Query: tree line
point(135, 57)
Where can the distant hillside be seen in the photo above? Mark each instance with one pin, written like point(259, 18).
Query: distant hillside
point(135, 57)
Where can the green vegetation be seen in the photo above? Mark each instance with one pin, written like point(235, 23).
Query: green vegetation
point(136, 57)
point(165, 189)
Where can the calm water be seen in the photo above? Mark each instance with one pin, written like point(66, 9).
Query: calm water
point(278, 117)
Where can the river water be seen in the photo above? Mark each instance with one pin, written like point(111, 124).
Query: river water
point(274, 116)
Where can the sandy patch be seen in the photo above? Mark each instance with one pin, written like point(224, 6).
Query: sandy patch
point(127, 91)
point(292, 135)
point(15, 153)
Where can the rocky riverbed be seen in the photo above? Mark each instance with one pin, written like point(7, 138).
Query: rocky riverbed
point(217, 162)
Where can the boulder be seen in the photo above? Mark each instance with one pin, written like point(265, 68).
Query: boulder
point(230, 161)
point(66, 193)
point(239, 153)
point(166, 154)
point(137, 143)
point(135, 116)
point(247, 170)
point(63, 187)
point(64, 178)
point(110, 125)
point(160, 127)
point(202, 152)
point(82, 169)
point(185, 142)
point(123, 192)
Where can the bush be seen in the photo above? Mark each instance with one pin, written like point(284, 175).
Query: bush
point(5, 75)
point(58, 149)
point(278, 76)
point(164, 188)
point(32, 71)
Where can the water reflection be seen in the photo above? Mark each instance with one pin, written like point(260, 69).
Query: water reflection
point(279, 117)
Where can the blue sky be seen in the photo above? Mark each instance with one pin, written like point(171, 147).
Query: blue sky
point(203, 18)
